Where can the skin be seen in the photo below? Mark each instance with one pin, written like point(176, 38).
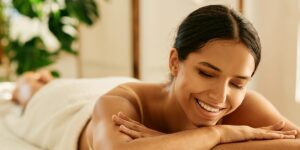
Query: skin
point(217, 80)
point(32, 82)
point(173, 108)
point(218, 76)
point(255, 110)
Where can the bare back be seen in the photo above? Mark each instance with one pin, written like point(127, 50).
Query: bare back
point(144, 103)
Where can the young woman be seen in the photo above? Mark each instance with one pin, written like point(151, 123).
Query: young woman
point(205, 105)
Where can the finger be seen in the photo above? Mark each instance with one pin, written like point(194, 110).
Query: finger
point(132, 133)
point(126, 123)
point(289, 132)
point(279, 136)
point(28, 74)
point(117, 120)
point(277, 126)
point(268, 135)
point(45, 75)
point(123, 116)
point(34, 76)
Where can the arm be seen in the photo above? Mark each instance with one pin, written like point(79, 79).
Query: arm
point(107, 135)
point(262, 145)
point(257, 112)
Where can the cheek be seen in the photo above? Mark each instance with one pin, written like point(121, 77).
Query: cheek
point(196, 84)
point(184, 86)
point(189, 82)
point(236, 100)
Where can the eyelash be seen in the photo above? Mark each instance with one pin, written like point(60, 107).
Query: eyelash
point(205, 74)
point(237, 87)
point(211, 76)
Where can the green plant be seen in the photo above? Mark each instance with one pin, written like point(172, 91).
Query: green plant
point(59, 16)
point(2, 28)
point(2, 36)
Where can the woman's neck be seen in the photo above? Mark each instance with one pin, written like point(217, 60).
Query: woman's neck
point(174, 117)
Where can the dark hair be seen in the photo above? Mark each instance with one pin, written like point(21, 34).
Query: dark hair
point(215, 22)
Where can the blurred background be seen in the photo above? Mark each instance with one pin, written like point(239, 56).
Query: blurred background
point(133, 38)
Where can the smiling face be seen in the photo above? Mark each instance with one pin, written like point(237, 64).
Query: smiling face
point(211, 83)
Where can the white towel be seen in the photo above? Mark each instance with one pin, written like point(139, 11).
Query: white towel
point(56, 115)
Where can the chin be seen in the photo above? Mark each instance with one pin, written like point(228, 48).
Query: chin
point(206, 123)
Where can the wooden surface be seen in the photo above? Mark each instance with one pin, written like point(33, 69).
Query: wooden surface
point(135, 39)
point(241, 6)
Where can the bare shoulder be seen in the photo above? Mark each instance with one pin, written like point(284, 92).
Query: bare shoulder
point(255, 110)
point(133, 93)
point(124, 98)
point(125, 95)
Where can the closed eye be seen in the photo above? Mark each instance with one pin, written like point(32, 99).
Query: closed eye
point(237, 86)
point(202, 73)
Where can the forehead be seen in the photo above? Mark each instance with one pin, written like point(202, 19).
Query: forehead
point(229, 55)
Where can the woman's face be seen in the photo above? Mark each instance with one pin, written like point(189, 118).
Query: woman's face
point(211, 83)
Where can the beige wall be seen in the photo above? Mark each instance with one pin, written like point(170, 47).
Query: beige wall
point(106, 47)
point(159, 22)
point(277, 22)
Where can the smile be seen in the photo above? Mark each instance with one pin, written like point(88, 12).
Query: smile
point(208, 107)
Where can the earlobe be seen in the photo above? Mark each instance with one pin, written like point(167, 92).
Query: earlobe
point(173, 62)
point(174, 71)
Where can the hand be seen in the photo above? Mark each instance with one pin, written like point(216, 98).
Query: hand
point(229, 133)
point(28, 84)
point(133, 128)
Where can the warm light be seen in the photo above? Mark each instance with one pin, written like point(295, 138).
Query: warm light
point(198, 2)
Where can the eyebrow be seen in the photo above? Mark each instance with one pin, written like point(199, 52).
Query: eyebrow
point(219, 70)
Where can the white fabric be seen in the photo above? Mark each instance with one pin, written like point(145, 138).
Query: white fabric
point(8, 140)
point(57, 113)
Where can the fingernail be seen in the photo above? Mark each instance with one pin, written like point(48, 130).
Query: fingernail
point(113, 117)
point(123, 127)
point(291, 136)
point(295, 132)
point(292, 131)
point(121, 114)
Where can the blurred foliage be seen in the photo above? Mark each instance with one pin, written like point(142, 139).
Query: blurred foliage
point(2, 28)
point(30, 56)
point(33, 54)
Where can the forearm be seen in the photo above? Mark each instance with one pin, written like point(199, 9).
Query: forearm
point(290, 144)
point(193, 139)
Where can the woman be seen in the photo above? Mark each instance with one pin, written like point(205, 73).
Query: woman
point(215, 55)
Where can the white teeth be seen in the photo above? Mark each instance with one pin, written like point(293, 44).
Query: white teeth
point(207, 107)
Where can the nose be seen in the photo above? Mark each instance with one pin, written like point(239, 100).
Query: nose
point(218, 92)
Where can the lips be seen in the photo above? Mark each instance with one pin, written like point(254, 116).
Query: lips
point(207, 107)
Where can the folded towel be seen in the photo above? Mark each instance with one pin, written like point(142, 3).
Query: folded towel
point(56, 115)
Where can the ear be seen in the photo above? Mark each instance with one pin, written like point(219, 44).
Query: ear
point(173, 62)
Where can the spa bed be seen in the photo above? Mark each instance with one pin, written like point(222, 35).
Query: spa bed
point(52, 127)
point(8, 140)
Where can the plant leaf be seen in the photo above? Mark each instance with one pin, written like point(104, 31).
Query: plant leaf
point(85, 11)
point(25, 7)
point(56, 27)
